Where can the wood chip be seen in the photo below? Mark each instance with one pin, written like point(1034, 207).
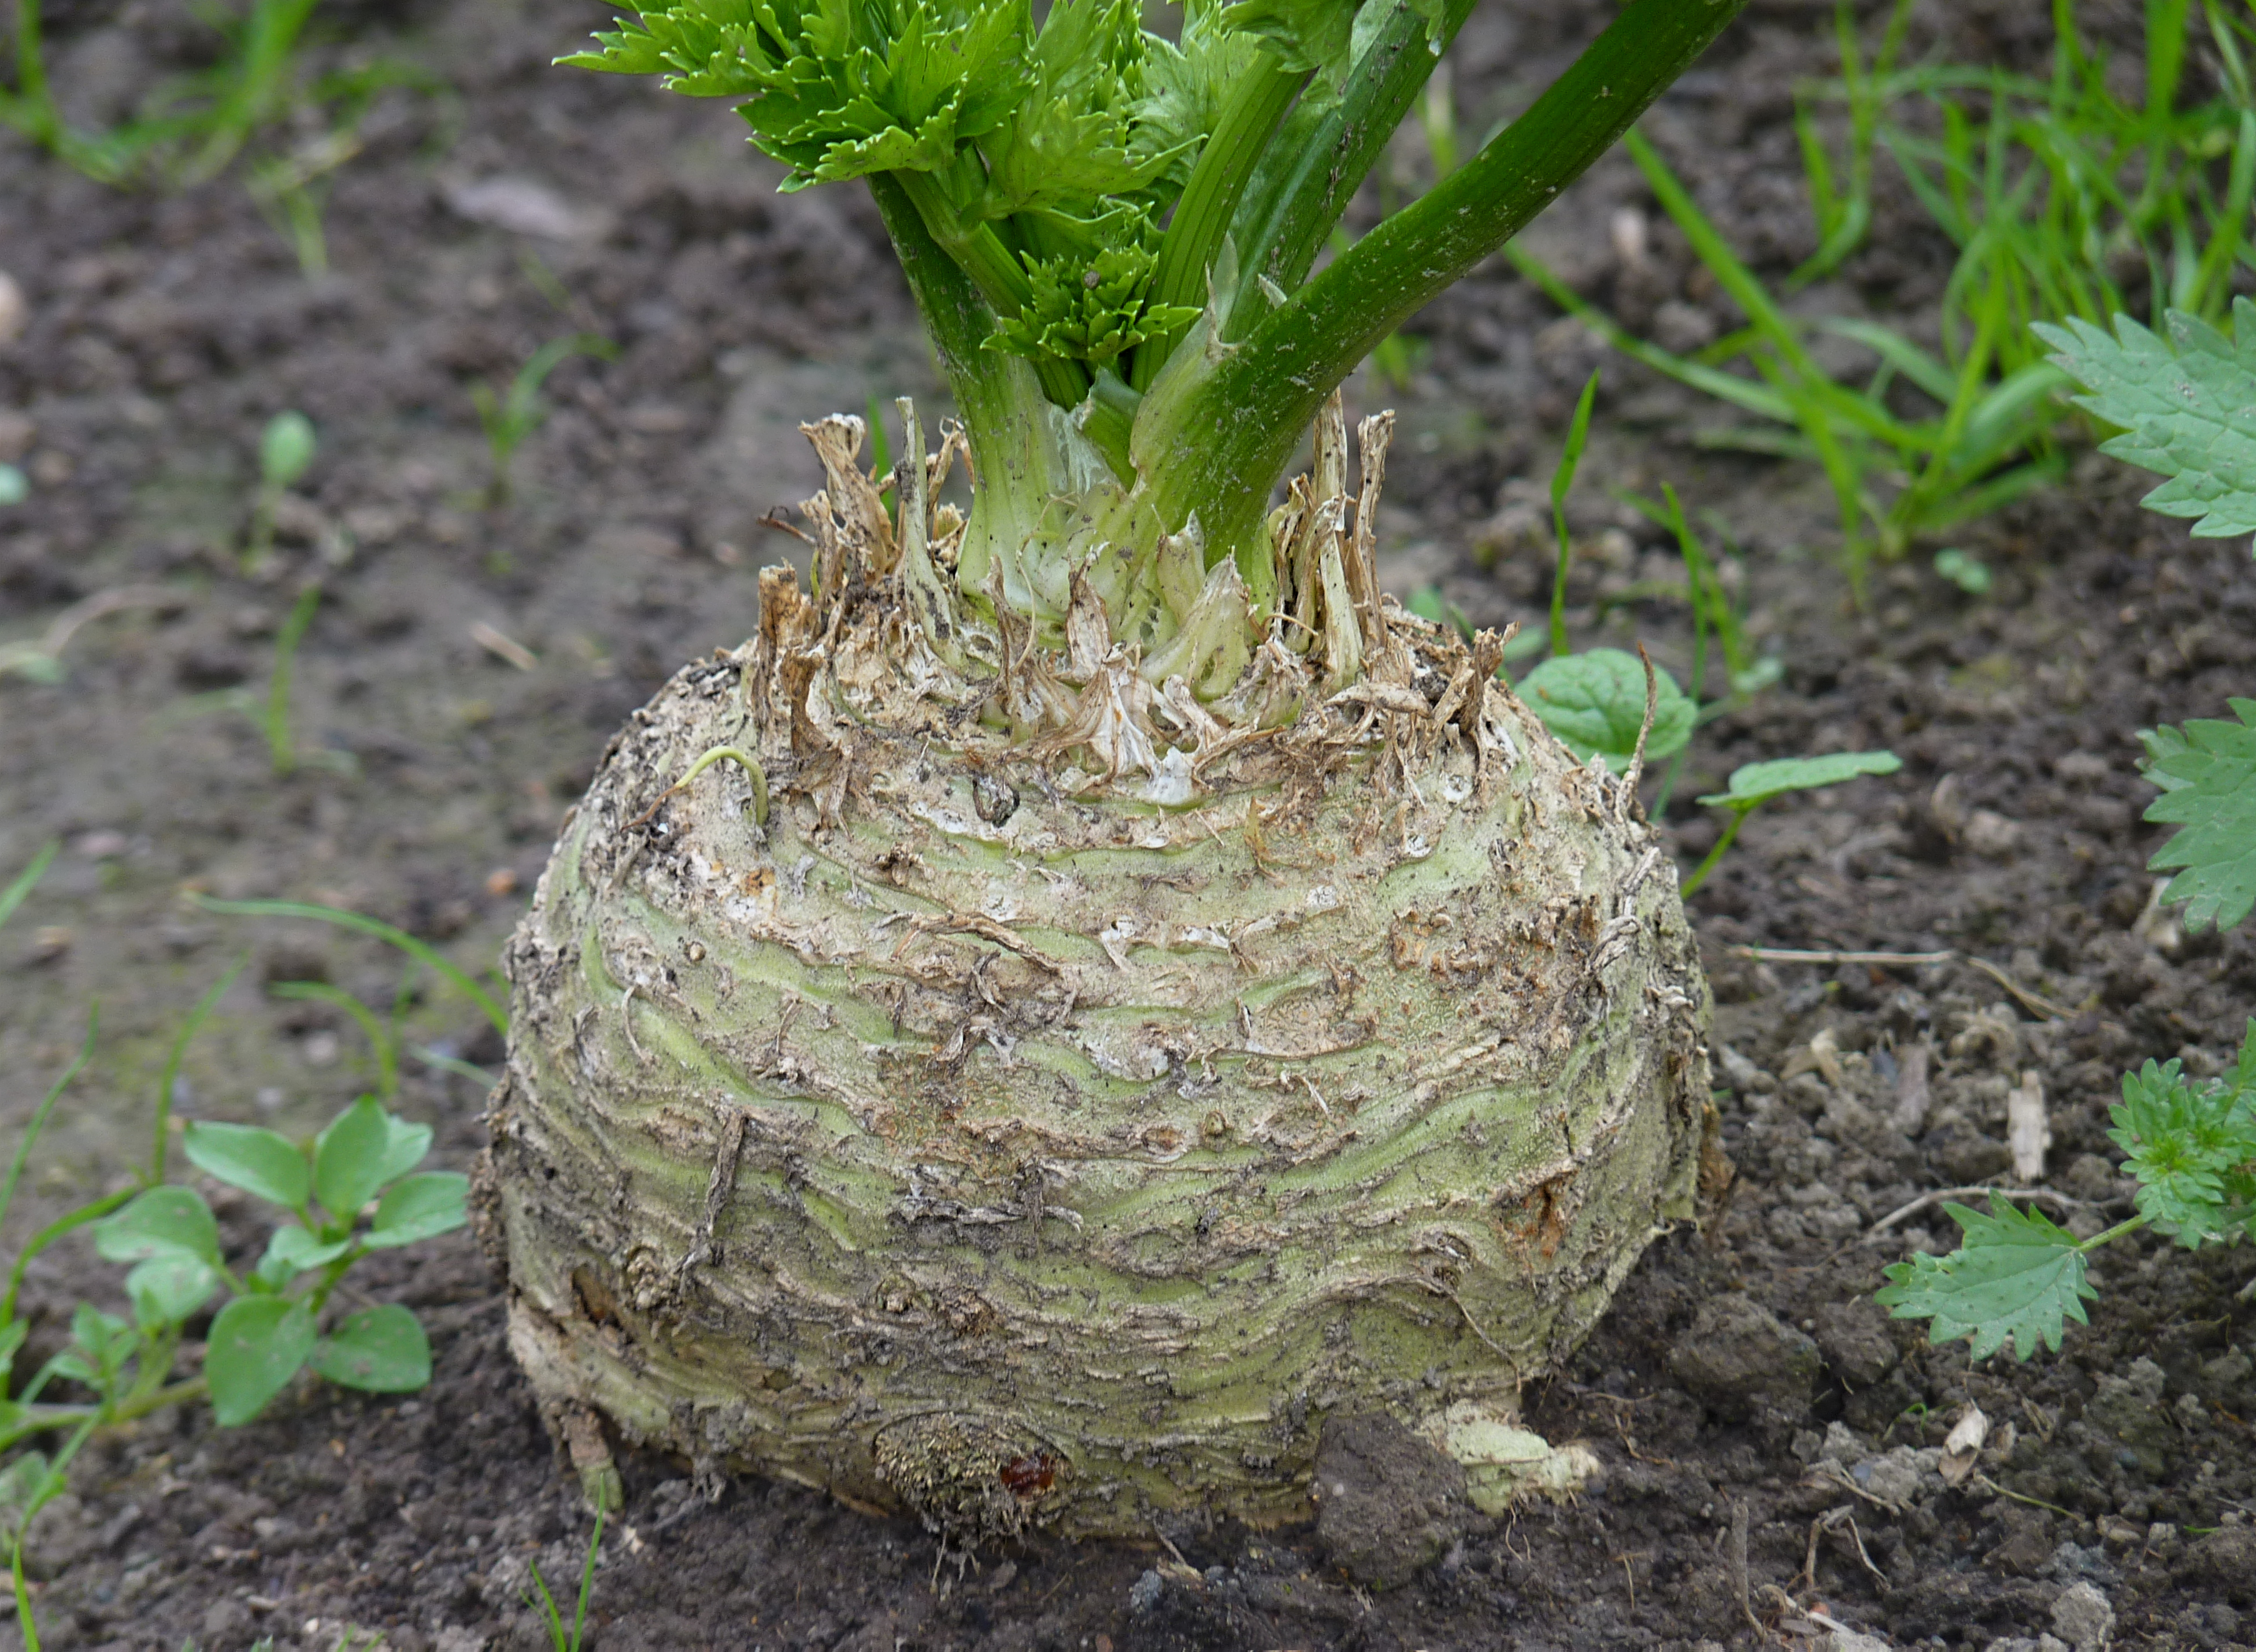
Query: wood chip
point(2029, 1131)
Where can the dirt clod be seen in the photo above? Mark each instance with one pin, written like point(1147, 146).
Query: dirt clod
point(1388, 1505)
point(1744, 1363)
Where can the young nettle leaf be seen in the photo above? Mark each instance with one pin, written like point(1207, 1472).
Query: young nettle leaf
point(380, 1350)
point(2207, 771)
point(418, 1208)
point(257, 1160)
point(2015, 1278)
point(1595, 702)
point(2188, 411)
point(165, 1221)
point(257, 1344)
point(2192, 1146)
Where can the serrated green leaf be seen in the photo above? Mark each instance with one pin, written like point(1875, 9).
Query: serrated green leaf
point(840, 89)
point(1754, 783)
point(1090, 309)
point(257, 1346)
point(1304, 34)
point(2190, 1147)
point(163, 1221)
point(257, 1161)
point(2016, 1277)
point(2207, 772)
point(2189, 412)
point(420, 1208)
point(1595, 702)
point(380, 1350)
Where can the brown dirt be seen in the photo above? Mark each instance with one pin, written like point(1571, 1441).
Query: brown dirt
point(162, 331)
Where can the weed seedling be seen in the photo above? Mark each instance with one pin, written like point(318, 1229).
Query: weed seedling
point(2016, 1277)
point(510, 418)
point(557, 1638)
point(1970, 573)
point(15, 487)
point(286, 451)
point(281, 746)
point(1755, 784)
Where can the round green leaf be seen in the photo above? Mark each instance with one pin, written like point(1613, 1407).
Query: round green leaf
point(257, 1343)
point(162, 1222)
point(259, 1161)
point(1595, 702)
point(166, 1290)
point(435, 1202)
point(286, 448)
point(381, 1350)
point(1759, 782)
point(354, 1155)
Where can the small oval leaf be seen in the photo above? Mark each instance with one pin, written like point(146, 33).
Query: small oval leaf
point(1756, 783)
point(257, 1346)
point(435, 1202)
point(257, 1161)
point(380, 1350)
point(162, 1222)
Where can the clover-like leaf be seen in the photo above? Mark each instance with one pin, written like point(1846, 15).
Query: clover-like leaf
point(257, 1346)
point(434, 1203)
point(166, 1221)
point(260, 1162)
point(2189, 412)
point(2016, 1277)
point(1595, 702)
point(380, 1350)
point(2207, 771)
point(1754, 783)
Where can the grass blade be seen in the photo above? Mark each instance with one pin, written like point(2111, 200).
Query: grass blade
point(360, 923)
point(27, 880)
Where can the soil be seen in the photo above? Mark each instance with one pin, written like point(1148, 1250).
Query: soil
point(1767, 1436)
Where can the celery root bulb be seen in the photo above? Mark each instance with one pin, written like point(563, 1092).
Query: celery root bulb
point(1016, 1123)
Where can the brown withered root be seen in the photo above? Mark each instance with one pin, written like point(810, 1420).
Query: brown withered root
point(1015, 1082)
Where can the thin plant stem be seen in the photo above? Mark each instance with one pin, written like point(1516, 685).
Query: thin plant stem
point(1562, 479)
point(40, 1119)
point(162, 1146)
point(281, 748)
point(1691, 884)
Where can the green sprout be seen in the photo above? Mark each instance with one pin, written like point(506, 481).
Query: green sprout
point(554, 1622)
point(509, 418)
point(286, 448)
